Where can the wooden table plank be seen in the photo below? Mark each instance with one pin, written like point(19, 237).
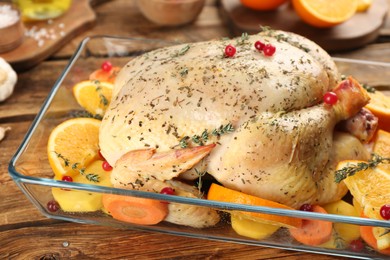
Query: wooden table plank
point(69, 240)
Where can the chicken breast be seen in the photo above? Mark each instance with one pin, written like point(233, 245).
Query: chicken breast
point(274, 137)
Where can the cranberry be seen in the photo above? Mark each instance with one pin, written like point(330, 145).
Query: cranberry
point(330, 98)
point(106, 166)
point(230, 50)
point(269, 50)
point(306, 207)
point(67, 178)
point(106, 66)
point(168, 191)
point(356, 245)
point(53, 206)
point(385, 211)
point(259, 45)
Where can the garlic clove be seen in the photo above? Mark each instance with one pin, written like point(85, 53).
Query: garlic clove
point(3, 131)
point(8, 79)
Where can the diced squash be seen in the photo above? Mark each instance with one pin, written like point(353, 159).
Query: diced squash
point(343, 233)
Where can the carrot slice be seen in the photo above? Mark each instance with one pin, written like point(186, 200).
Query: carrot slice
point(140, 211)
point(313, 232)
point(220, 193)
point(108, 76)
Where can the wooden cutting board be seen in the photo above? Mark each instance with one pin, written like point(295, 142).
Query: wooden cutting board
point(360, 30)
point(59, 31)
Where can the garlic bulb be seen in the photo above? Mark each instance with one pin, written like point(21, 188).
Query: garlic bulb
point(8, 80)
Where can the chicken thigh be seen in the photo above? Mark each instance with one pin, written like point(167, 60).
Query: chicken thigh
point(260, 119)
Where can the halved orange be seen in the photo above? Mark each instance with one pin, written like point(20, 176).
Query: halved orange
point(220, 193)
point(379, 105)
point(262, 5)
point(93, 95)
point(73, 144)
point(370, 188)
point(325, 13)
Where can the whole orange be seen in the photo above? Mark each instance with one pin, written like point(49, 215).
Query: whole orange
point(262, 5)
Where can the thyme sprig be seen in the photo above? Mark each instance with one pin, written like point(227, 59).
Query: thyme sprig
point(387, 231)
point(338, 242)
point(351, 170)
point(200, 182)
point(223, 129)
point(66, 161)
point(90, 176)
point(243, 39)
point(86, 114)
point(204, 136)
point(283, 37)
point(369, 88)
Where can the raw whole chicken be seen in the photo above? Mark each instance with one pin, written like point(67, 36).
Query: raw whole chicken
point(256, 123)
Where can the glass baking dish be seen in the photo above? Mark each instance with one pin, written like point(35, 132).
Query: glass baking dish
point(31, 171)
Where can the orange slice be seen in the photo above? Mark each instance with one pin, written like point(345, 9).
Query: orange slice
point(382, 146)
point(73, 144)
point(262, 5)
point(107, 76)
point(370, 188)
point(93, 95)
point(220, 193)
point(325, 13)
point(379, 105)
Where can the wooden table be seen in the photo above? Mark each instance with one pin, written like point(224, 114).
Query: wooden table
point(26, 234)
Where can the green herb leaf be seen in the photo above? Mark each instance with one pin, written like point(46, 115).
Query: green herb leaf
point(182, 51)
point(361, 166)
point(369, 88)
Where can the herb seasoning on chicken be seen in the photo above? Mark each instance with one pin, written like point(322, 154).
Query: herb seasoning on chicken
point(283, 146)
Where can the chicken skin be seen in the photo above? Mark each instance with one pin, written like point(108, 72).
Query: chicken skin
point(260, 120)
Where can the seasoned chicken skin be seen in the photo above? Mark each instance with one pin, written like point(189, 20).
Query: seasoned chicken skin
point(282, 144)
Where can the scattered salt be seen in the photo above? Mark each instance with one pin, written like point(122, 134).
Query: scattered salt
point(8, 16)
point(40, 35)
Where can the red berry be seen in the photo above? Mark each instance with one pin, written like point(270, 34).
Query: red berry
point(106, 166)
point(259, 45)
point(67, 178)
point(356, 245)
point(269, 50)
point(106, 66)
point(306, 207)
point(230, 50)
point(53, 206)
point(168, 191)
point(385, 211)
point(330, 98)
